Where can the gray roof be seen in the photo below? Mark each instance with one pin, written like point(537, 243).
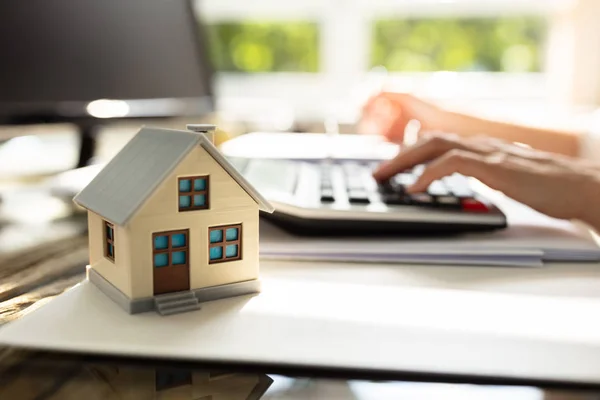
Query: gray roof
point(119, 190)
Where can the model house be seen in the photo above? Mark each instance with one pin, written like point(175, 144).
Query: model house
point(172, 223)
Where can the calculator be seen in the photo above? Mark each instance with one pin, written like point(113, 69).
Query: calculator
point(325, 197)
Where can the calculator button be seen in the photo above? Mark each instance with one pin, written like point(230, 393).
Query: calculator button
point(404, 179)
point(373, 165)
point(459, 185)
point(327, 196)
point(418, 170)
point(437, 188)
point(473, 205)
point(354, 182)
point(422, 199)
point(448, 201)
point(386, 187)
point(395, 199)
point(358, 197)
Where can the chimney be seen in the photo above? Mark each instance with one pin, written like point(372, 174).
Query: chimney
point(207, 129)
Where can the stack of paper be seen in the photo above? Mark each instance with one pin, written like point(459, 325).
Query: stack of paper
point(530, 240)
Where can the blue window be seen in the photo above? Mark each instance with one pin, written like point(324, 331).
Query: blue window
point(179, 257)
point(200, 184)
point(193, 193)
point(184, 202)
point(109, 241)
point(161, 242)
point(178, 240)
point(185, 185)
point(170, 249)
point(111, 250)
point(231, 250)
point(161, 260)
point(216, 236)
point(216, 253)
point(232, 234)
point(199, 200)
point(225, 243)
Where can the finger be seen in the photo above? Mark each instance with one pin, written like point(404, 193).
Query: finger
point(426, 149)
point(392, 97)
point(493, 170)
point(516, 149)
point(396, 129)
point(369, 104)
point(378, 116)
point(380, 105)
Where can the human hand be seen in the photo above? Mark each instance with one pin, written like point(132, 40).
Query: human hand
point(559, 186)
point(388, 114)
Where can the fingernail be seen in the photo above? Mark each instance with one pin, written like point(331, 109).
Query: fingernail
point(377, 177)
point(377, 171)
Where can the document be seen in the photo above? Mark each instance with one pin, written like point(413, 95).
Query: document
point(529, 240)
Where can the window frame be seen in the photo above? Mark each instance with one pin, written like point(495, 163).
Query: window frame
point(342, 67)
point(170, 249)
point(193, 192)
point(224, 243)
point(108, 241)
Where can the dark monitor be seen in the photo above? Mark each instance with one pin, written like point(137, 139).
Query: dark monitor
point(61, 60)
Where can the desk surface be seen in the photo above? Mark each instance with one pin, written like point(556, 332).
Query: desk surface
point(40, 279)
point(468, 324)
point(35, 374)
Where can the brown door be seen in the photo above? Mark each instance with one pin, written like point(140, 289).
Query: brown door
point(171, 261)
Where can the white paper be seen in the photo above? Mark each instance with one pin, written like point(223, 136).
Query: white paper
point(296, 322)
point(530, 239)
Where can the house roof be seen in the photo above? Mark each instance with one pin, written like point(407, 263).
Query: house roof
point(120, 189)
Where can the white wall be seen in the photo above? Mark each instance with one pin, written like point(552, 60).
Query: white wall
point(574, 60)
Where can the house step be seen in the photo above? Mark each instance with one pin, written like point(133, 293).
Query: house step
point(179, 309)
point(175, 303)
point(172, 303)
point(172, 296)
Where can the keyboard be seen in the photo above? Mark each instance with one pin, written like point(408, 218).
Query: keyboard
point(343, 198)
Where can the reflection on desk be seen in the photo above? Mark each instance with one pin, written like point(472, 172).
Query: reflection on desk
point(27, 375)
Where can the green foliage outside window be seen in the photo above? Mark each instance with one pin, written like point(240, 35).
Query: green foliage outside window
point(508, 44)
point(265, 47)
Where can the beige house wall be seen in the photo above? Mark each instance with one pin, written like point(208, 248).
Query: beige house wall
point(229, 204)
point(119, 272)
point(225, 193)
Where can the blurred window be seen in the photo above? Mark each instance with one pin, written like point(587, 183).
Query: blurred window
point(314, 58)
point(265, 46)
point(510, 44)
